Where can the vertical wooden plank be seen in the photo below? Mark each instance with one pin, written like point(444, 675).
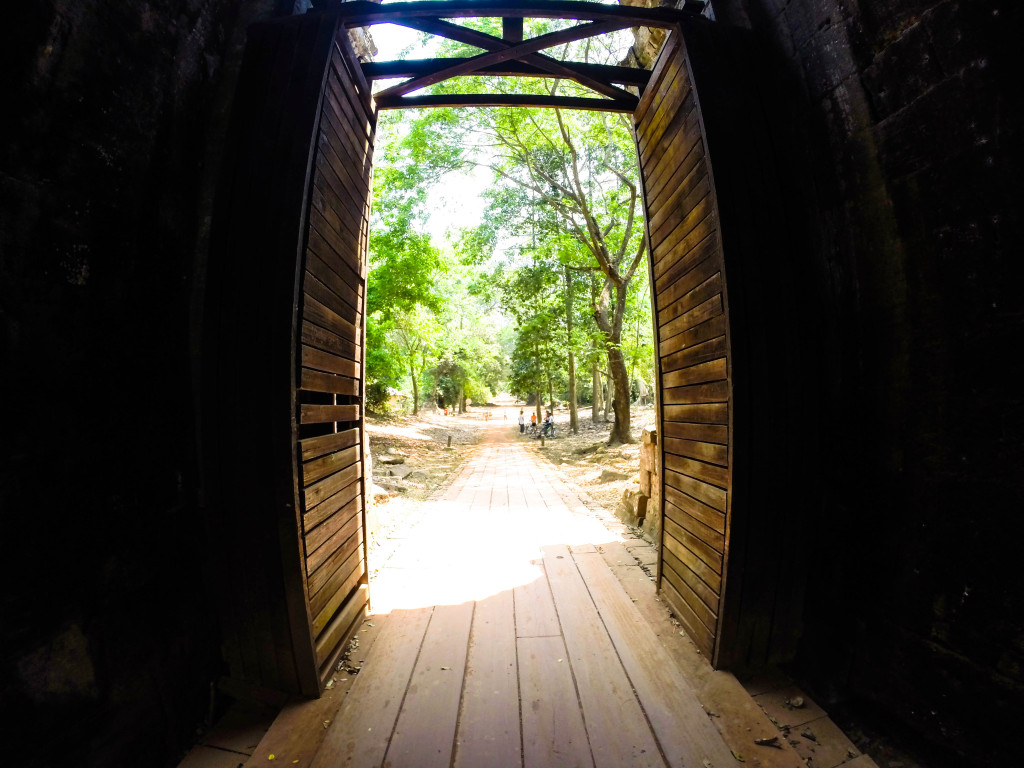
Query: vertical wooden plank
point(359, 734)
point(685, 732)
point(554, 735)
point(425, 732)
point(488, 732)
point(616, 725)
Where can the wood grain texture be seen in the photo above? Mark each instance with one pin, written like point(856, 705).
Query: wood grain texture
point(693, 343)
point(553, 729)
point(359, 735)
point(425, 732)
point(616, 725)
point(489, 733)
point(680, 723)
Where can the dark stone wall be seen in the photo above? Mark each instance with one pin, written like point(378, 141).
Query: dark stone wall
point(108, 645)
point(912, 125)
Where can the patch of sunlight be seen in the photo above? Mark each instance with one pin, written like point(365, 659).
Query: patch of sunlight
point(488, 539)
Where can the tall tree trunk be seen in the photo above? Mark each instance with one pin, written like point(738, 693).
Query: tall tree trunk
point(595, 400)
point(574, 419)
point(540, 401)
point(620, 402)
point(415, 390)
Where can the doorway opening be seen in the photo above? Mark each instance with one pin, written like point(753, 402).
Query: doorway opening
point(294, 231)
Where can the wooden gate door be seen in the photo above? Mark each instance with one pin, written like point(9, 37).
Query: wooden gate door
point(726, 202)
point(284, 365)
point(692, 343)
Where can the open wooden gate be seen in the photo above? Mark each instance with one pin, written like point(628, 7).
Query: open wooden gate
point(283, 364)
point(692, 342)
point(284, 358)
point(726, 215)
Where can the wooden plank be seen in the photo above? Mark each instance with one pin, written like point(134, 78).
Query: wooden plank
point(704, 613)
point(488, 733)
point(330, 485)
point(336, 561)
point(673, 89)
point(682, 260)
point(328, 537)
point(695, 394)
point(672, 299)
point(701, 635)
point(711, 556)
point(691, 486)
point(676, 155)
point(553, 732)
point(713, 370)
point(708, 590)
point(657, 79)
point(318, 469)
point(673, 147)
point(508, 100)
point(342, 333)
point(425, 731)
point(346, 304)
point(698, 413)
point(711, 433)
point(708, 473)
point(318, 381)
point(341, 628)
point(677, 550)
point(699, 295)
point(311, 447)
point(535, 608)
point(316, 515)
point(695, 449)
point(616, 725)
point(705, 513)
point(359, 735)
point(705, 352)
point(683, 239)
point(338, 587)
point(705, 533)
point(337, 252)
point(320, 414)
point(704, 311)
point(685, 732)
point(678, 228)
point(681, 136)
point(716, 326)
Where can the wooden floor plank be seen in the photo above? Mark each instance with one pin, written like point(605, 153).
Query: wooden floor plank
point(360, 733)
point(554, 735)
point(425, 732)
point(298, 730)
point(488, 734)
point(681, 725)
point(616, 725)
point(535, 609)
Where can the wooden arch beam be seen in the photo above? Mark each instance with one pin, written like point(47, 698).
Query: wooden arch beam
point(499, 50)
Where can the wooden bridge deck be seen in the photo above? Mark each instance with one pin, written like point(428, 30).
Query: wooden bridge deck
point(501, 635)
point(509, 642)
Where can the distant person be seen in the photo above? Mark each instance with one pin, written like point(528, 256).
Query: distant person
point(522, 422)
point(533, 421)
point(549, 425)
